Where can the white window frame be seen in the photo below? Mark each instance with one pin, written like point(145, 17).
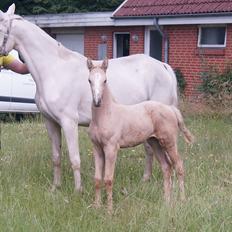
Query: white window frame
point(211, 45)
point(115, 42)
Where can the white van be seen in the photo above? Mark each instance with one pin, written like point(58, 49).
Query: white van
point(17, 92)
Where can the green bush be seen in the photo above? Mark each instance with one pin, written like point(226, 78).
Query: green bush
point(180, 81)
point(217, 86)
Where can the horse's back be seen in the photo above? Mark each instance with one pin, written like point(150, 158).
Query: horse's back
point(139, 78)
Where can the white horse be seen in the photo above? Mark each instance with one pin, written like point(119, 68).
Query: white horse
point(114, 126)
point(63, 94)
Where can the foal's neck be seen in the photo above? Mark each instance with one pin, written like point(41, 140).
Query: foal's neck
point(106, 108)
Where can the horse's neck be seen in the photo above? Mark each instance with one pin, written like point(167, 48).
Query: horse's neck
point(34, 44)
point(40, 51)
point(106, 109)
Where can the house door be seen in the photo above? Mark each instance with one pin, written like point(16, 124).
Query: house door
point(73, 41)
point(121, 44)
point(153, 43)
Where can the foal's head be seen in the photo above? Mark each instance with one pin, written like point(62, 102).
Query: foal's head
point(97, 80)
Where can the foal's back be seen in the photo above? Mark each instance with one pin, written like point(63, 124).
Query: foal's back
point(134, 124)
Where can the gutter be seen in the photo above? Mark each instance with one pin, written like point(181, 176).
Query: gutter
point(165, 37)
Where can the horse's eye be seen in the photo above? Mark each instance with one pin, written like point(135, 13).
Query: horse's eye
point(104, 81)
point(89, 81)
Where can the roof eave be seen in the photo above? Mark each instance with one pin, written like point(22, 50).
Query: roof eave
point(173, 15)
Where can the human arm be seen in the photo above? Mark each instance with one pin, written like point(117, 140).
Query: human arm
point(17, 66)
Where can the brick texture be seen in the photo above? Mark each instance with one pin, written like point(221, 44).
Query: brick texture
point(93, 35)
point(184, 53)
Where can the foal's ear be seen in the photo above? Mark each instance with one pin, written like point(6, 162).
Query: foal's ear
point(104, 65)
point(11, 9)
point(89, 64)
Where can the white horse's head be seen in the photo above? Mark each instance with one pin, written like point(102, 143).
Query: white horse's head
point(6, 40)
point(97, 80)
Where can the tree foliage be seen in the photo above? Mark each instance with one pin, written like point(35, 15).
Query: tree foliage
point(25, 7)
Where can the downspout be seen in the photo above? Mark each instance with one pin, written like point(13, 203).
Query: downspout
point(165, 37)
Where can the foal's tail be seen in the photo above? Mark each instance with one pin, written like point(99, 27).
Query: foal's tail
point(189, 138)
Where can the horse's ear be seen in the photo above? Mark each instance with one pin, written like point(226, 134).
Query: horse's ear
point(89, 64)
point(11, 9)
point(1, 15)
point(104, 65)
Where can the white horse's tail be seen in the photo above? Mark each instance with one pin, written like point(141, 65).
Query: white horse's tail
point(187, 134)
point(174, 86)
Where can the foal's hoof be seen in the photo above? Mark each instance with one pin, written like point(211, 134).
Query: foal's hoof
point(78, 190)
point(53, 188)
point(97, 205)
point(146, 178)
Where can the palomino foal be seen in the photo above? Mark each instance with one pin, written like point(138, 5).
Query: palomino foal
point(115, 126)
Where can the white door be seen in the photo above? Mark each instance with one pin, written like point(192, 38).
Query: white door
point(72, 41)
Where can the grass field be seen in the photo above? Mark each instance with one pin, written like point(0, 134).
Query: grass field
point(26, 174)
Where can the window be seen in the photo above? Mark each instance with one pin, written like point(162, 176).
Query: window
point(212, 36)
point(121, 44)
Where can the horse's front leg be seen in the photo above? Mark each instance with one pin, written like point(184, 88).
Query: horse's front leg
point(54, 132)
point(70, 128)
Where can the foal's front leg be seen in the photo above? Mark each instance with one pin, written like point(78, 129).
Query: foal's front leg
point(54, 132)
point(99, 167)
point(110, 160)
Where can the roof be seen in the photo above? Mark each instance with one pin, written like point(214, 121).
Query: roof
point(72, 20)
point(138, 8)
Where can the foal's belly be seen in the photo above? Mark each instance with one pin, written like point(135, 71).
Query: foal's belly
point(135, 137)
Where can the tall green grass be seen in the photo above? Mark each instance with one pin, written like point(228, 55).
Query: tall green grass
point(26, 203)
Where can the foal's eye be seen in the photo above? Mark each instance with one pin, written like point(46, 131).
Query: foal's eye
point(89, 81)
point(104, 81)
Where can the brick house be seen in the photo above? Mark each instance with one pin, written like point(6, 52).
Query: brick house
point(186, 34)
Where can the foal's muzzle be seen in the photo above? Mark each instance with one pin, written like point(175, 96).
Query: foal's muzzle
point(97, 103)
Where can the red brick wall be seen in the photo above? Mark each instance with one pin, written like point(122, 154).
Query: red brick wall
point(93, 35)
point(185, 55)
point(183, 51)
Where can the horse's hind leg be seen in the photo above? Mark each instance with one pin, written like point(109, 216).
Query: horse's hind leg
point(166, 167)
point(70, 128)
point(149, 161)
point(54, 132)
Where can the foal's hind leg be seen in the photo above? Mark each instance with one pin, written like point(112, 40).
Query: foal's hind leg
point(179, 168)
point(54, 132)
point(166, 167)
point(149, 161)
